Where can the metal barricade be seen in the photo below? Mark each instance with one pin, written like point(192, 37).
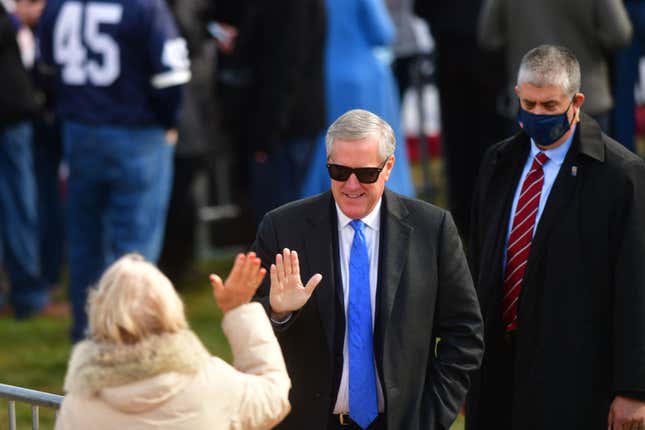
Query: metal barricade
point(35, 398)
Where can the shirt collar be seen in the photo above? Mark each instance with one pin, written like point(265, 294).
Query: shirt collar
point(556, 155)
point(372, 219)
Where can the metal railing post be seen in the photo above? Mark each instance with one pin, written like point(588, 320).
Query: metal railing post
point(33, 397)
point(12, 415)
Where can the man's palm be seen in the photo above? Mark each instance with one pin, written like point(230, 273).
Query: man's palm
point(287, 293)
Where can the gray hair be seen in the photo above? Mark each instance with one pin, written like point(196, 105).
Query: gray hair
point(358, 124)
point(551, 65)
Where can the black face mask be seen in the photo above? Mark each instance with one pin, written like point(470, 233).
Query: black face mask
point(544, 129)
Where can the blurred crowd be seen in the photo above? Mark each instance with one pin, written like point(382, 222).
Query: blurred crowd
point(120, 121)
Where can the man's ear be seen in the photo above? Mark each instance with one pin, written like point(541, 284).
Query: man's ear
point(578, 100)
point(388, 167)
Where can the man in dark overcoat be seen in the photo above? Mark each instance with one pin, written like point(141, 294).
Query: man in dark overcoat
point(558, 258)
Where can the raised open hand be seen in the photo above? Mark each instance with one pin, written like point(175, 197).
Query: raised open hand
point(240, 285)
point(287, 292)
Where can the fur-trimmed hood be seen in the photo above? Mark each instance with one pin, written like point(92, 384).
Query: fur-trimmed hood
point(139, 376)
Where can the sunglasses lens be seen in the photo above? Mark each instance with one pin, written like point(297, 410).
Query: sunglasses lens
point(339, 173)
point(367, 175)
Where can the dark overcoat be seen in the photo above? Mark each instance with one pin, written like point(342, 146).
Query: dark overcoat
point(581, 336)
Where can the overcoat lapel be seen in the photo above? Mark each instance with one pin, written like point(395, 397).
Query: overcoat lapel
point(507, 169)
point(321, 255)
point(393, 252)
point(560, 197)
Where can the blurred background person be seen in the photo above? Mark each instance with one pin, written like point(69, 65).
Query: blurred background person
point(19, 252)
point(469, 81)
point(593, 30)
point(198, 141)
point(143, 368)
point(356, 79)
point(409, 42)
point(47, 150)
point(270, 94)
point(626, 72)
point(121, 65)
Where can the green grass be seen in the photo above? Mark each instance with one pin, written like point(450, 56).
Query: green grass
point(34, 353)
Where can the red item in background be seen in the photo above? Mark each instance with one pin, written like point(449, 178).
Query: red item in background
point(640, 120)
point(433, 142)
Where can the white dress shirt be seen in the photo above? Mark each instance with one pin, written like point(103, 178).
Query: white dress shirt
point(345, 237)
point(550, 169)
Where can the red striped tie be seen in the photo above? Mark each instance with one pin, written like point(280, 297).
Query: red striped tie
point(519, 241)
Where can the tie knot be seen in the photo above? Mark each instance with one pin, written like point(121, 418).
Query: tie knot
point(357, 225)
point(541, 158)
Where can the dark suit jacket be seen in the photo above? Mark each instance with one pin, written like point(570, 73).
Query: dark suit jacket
point(424, 292)
point(581, 336)
point(17, 96)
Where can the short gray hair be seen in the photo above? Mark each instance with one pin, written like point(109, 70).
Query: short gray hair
point(358, 124)
point(551, 65)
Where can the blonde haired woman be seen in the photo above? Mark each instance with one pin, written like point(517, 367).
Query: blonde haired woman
point(143, 368)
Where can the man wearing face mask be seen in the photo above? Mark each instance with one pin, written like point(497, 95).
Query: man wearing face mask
point(557, 246)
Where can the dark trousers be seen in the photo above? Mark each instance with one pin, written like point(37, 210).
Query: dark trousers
point(495, 412)
point(469, 82)
point(51, 205)
point(19, 221)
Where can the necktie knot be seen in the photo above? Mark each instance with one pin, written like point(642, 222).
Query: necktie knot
point(541, 158)
point(357, 225)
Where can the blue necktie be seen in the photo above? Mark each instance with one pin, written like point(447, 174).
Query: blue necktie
point(363, 408)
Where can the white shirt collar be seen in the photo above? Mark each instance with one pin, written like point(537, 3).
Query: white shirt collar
point(372, 219)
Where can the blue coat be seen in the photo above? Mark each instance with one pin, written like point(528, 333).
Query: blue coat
point(356, 79)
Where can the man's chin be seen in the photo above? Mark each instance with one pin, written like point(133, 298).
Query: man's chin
point(354, 209)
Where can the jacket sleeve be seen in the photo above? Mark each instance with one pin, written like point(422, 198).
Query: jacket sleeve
point(266, 248)
point(280, 55)
point(491, 31)
point(614, 30)
point(168, 61)
point(629, 287)
point(458, 326)
point(257, 354)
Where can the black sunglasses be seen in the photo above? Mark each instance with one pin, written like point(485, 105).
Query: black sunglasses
point(365, 175)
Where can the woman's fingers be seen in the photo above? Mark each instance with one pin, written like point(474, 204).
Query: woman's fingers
point(218, 285)
point(236, 271)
